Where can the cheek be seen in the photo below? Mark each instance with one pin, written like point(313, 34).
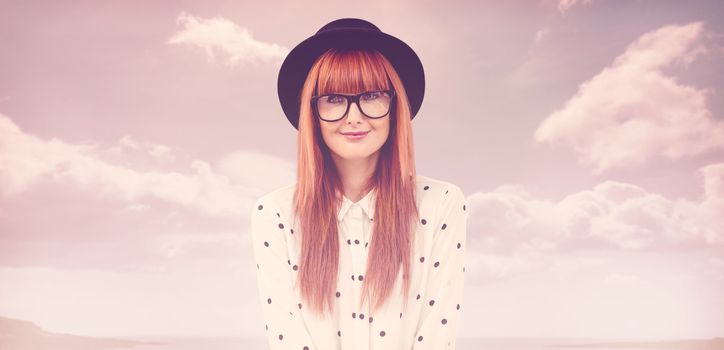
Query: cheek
point(384, 128)
point(327, 134)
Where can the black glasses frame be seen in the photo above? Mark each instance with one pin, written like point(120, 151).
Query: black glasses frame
point(352, 99)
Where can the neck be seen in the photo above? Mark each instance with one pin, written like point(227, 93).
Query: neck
point(355, 174)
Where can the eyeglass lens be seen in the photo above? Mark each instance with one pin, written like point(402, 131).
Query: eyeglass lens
point(374, 104)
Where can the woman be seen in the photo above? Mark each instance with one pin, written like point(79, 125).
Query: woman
point(358, 211)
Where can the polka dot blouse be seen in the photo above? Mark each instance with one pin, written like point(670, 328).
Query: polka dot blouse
point(432, 315)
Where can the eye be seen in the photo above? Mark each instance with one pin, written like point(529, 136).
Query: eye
point(334, 99)
point(371, 95)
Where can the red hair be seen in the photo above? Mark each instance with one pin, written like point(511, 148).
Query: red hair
point(317, 195)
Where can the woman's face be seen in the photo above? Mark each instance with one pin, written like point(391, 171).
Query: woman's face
point(349, 148)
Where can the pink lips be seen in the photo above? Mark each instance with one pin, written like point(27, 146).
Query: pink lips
point(355, 135)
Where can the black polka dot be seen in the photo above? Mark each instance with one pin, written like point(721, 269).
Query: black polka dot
point(443, 321)
point(446, 191)
point(260, 207)
point(458, 245)
point(400, 314)
point(289, 262)
point(418, 297)
point(353, 277)
point(463, 268)
point(292, 231)
point(422, 259)
point(361, 316)
point(443, 226)
point(423, 221)
point(305, 348)
point(339, 333)
point(366, 244)
point(354, 315)
point(419, 338)
point(349, 242)
point(300, 305)
point(268, 300)
point(338, 294)
point(437, 263)
point(426, 188)
point(281, 337)
point(266, 326)
point(281, 226)
point(266, 244)
point(257, 266)
point(295, 267)
point(356, 241)
point(458, 307)
point(432, 302)
point(360, 277)
point(382, 333)
point(370, 319)
point(463, 207)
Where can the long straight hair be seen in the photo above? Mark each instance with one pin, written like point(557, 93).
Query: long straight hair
point(317, 196)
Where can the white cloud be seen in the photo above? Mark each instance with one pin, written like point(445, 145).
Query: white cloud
point(26, 160)
point(264, 171)
point(224, 36)
point(513, 232)
point(612, 214)
point(565, 5)
point(541, 34)
point(156, 150)
point(631, 111)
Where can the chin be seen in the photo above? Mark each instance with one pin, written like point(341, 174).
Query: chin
point(353, 155)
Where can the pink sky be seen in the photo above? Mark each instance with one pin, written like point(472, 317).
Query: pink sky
point(587, 135)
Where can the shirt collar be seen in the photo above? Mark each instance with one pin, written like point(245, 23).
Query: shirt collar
point(367, 203)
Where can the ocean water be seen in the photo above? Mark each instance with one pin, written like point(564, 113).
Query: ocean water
point(236, 343)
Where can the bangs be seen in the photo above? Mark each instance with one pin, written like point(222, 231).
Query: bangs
point(351, 71)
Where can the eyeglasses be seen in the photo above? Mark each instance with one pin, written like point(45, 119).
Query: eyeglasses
point(333, 107)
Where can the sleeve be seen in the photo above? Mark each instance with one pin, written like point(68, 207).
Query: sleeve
point(285, 327)
point(440, 316)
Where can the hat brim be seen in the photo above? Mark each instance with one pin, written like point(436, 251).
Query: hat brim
point(296, 65)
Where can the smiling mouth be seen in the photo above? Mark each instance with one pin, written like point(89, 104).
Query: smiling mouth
point(357, 133)
point(354, 136)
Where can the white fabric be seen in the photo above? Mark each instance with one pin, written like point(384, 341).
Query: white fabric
point(430, 321)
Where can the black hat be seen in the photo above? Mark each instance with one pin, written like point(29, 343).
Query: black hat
point(348, 33)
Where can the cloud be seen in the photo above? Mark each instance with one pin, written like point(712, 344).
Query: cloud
point(565, 5)
point(513, 232)
point(220, 35)
point(156, 150)
point(73, 205)
point(541, 34)
point(26, 160)
point(631, 111)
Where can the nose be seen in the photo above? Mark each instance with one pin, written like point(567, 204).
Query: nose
point(354, 114)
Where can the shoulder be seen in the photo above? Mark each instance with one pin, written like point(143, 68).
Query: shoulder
point(432, 189)
point(438, 198)
point(276, 199)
